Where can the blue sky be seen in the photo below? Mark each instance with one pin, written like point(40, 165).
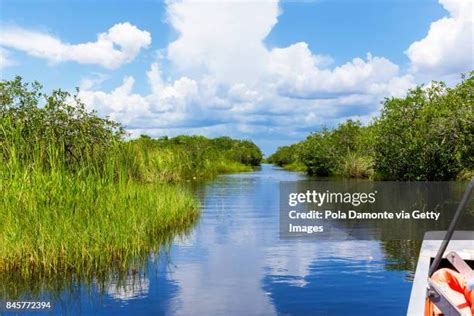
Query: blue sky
point(264, 70)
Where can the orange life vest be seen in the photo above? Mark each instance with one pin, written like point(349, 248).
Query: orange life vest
point(458, 292)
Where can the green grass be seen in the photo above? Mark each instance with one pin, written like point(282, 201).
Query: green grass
point(171, 163)
point(79, 201)
point(465, 175)
point(295, 166)
point(225, 166)
point(99, 213)
point(356, 166)
point(96, 216)
point(54, 222)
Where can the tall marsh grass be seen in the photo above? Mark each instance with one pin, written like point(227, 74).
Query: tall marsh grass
point(55, 222)
point(354, 165)
point(79, 199)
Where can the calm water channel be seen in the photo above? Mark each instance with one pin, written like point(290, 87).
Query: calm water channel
point(234, 263)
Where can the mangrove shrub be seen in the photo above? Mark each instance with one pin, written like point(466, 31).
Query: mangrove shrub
point(426, 135)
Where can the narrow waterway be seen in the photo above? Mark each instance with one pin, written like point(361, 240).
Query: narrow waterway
point(234, 263)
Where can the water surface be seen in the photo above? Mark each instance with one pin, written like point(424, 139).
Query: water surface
point(234, 263)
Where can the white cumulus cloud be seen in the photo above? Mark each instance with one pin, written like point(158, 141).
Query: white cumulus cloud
point(229, 82)
point(226, 42)
point(447, 49)
point(223, 39)
point(5, 59)
point(300, 75)
point(119, 45)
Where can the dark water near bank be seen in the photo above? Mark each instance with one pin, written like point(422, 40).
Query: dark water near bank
point(233, 263)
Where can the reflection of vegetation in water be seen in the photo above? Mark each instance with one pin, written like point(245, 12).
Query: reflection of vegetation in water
point(402, 255)
point(80, 201)
point(427, 135)
point(393, 197)
point(441, 197)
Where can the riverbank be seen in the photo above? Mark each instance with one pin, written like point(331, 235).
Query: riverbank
point(236, 244)
point(78, 198)
point(425, 136)
point(55, 223)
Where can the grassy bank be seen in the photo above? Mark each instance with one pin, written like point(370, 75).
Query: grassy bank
point(78, 198)
point(427, 135)
point(55, 222)
point(190, 157)
point(295, 166)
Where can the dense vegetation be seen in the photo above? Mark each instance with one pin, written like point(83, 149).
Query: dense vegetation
point(192, 157)
point(77, 197)
point(427, 135)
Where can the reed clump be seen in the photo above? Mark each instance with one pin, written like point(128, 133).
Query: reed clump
point(78, 198)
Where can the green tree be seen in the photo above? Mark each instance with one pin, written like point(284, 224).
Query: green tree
point(428, 135)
